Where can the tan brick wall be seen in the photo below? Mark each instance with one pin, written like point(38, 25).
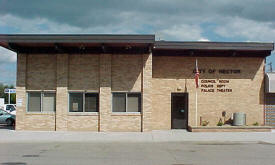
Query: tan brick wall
point(39, 122)
point(84, 72)
point(33, 121)
point(82, 123)
point(105, 92)
point(62, 92)
point(114, 77)
point(41, 72)
point(125, 123)
point(126, 73)
point(21, 90)
point(108, 73)
point(147, 93)
point(175, 74)
point(80, 72)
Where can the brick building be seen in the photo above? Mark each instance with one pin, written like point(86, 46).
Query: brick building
point(133, 83)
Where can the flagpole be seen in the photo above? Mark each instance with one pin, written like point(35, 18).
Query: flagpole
point(197, 72)
point(196, 107)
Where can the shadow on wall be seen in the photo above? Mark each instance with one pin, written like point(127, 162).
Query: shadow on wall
point(79, 71)
point(127, 72)
point(262, 93)
point(176, 67)
point(41, 72)
point(83, 72)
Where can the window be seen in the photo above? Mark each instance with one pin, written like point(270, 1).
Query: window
point(10, 108)
point(126, 102)
point(41, 102)
point(48, 102)
point(133, 102)
point(91, 102)
point(34, 102)
point(83, 102)
point(76, 102)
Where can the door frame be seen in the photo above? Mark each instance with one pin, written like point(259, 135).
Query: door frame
point(186, 95)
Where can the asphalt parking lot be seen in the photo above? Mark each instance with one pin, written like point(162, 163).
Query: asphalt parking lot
point(174, 147)
point(141, 153)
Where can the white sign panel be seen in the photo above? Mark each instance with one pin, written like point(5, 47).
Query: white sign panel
point(75, 106)
point(9, 90)
point(19, 102)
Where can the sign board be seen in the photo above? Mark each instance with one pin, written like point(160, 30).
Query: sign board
point(9, 90)
point(19, 102)
point(75, 106)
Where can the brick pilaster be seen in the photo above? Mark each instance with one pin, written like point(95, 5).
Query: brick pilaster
point(21, 90)
point(105, 92)
point(61, 92)
point(147, 93)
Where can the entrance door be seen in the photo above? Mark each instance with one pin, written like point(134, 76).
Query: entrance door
point(179, 110)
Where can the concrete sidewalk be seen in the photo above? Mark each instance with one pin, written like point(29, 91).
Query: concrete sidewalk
point(11, 136)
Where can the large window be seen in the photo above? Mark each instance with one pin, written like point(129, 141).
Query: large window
point(41, 102)
point(83, 102)
point(126, 102)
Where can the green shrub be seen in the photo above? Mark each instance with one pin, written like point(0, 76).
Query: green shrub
point(205, 123)
point(220, 123)
point(256, 124)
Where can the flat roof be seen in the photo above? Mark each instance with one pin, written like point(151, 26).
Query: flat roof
point(127, 43)
point(213, 45)
point(77, 43)
point(76, 38)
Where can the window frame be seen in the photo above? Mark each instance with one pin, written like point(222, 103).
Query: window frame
point(41, 102)
point(83, 102)
point(126, 102)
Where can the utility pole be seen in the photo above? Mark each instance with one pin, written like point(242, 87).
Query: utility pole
point(270, 66)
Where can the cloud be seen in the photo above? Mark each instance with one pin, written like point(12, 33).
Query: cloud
point(36, 25)
point(203, 40)
point(7, 56)
point(183, 32)
point(103, 13)
point(8, 73)
point(249, 30)
point(7, 66)
point(246, 20)
point(177, 20)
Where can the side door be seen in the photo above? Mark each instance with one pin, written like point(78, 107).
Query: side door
point(179, 110)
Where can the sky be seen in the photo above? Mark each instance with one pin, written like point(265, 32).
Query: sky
point(174, 20)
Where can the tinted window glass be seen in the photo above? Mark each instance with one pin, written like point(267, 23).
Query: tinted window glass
point(133, 102)
point(76, 102)
point(34, 102)
point(119, 102)
point(48, 102)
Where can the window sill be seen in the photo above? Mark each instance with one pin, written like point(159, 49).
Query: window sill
point(40, 113)
point(83, 114)
point(126, 114)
